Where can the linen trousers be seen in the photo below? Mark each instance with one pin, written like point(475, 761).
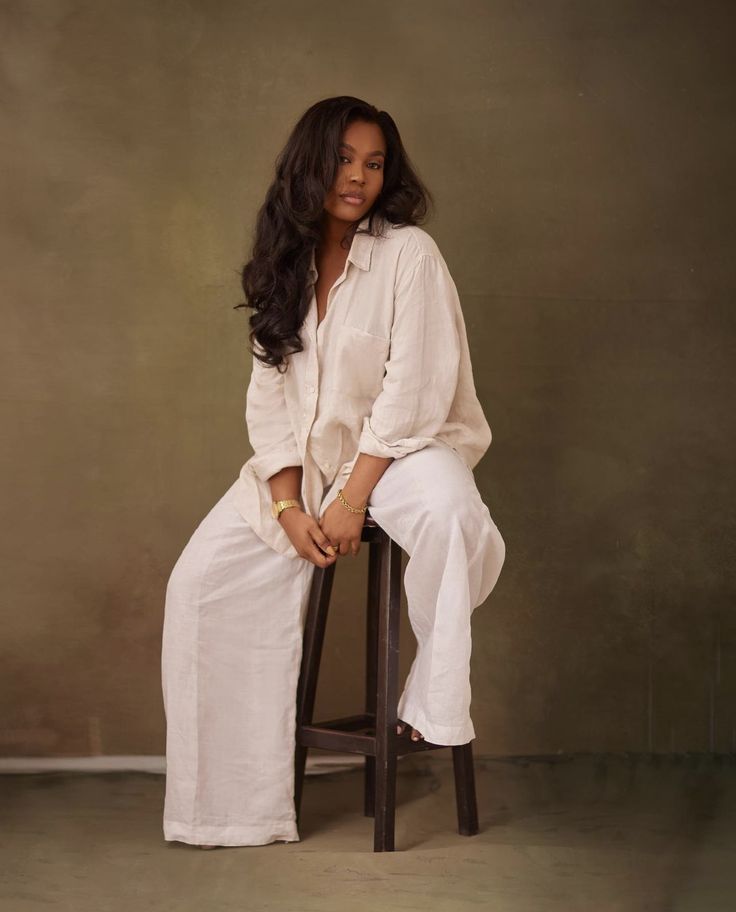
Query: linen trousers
point(232, 646)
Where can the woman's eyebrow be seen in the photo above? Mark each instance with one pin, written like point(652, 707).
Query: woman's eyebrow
point(370, 154)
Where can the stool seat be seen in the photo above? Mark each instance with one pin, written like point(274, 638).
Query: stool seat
point(371, 733)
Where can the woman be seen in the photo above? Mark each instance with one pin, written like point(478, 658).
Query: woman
point(361, 396)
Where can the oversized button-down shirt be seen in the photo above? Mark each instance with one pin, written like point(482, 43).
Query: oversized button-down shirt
point(386, 371)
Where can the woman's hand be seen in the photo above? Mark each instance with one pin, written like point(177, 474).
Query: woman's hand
point(342, 528)
point(307, 537)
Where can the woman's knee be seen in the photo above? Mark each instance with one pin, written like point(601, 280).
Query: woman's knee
point(200, 555)
point(450, 497)
point(216, 544)
point(494, 557)
point(497, 543)
point(186, 576)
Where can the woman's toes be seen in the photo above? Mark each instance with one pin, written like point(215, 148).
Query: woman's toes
point(415, 735)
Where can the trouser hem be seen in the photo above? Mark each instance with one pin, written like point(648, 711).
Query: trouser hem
point(260, 834)
point(446, 735)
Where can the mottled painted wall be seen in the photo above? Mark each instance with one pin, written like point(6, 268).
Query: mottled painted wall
point(582, 159)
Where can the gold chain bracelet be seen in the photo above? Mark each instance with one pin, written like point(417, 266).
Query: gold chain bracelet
point(346, 504)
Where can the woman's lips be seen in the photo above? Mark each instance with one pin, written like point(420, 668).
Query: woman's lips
point(353, 200)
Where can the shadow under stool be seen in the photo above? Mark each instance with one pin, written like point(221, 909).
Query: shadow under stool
point(373, 732)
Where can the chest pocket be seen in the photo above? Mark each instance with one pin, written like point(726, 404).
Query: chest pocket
point(359, 362)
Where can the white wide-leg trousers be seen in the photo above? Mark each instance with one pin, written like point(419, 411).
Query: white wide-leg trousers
point(232, 647)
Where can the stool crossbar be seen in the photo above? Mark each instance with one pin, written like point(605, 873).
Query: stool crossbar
point(373, 732)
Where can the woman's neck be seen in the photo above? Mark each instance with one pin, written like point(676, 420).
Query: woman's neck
point(333, 232)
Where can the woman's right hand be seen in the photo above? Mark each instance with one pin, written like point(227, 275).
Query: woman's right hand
point(306, 535)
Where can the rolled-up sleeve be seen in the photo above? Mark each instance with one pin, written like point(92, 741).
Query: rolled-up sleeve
point(269, 426)
point(421, 376)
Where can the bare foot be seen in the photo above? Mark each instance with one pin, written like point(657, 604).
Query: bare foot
point(416, 735)
point(206, 847)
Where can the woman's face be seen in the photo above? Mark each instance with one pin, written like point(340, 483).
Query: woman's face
point(362, 154)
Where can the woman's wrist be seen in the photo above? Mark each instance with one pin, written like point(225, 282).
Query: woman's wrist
point(366, 473)
point(289, 510)
point(355, 498)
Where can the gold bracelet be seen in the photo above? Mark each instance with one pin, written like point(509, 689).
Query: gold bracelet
point(346, 504)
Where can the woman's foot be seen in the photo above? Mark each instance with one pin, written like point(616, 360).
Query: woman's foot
point(207, 847)
point(415, 734)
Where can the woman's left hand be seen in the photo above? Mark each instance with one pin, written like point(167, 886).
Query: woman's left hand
point(342, 528)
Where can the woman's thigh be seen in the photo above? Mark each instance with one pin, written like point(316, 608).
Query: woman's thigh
point(428, 502)
point(431, 485)
point(225, 567)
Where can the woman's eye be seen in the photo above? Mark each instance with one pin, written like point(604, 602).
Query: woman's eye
point(377, 164)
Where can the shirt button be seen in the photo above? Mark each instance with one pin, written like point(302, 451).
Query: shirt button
point(310, 388)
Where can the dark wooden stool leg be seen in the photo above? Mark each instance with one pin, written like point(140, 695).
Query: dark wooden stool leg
point(389, 616)
point(314, 634)
point(467, 807)
point(371, 668)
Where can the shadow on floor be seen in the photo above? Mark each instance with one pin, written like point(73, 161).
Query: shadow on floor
point(588, 833)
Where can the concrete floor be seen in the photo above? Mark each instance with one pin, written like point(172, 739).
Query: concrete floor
point(595, 834)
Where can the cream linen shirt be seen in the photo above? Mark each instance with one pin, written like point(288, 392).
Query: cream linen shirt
point(385, 372)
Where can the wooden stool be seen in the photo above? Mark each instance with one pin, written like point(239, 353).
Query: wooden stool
point(372, 733)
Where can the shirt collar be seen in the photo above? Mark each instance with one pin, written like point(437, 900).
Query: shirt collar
point(360, 249)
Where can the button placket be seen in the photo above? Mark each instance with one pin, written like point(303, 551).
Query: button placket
point(330, 295)
point(310, 401)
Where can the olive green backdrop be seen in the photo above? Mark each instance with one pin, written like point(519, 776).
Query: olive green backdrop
point(582, 159)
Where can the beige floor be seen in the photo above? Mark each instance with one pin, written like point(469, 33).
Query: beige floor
point(589, 834)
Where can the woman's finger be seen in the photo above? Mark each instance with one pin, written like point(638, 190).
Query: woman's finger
point(318, 557)
point(321, 542)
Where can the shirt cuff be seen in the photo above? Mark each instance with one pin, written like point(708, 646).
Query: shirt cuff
point(265, 465)
point(373, 445)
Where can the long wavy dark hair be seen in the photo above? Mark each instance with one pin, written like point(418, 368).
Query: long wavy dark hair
point(275, 279)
